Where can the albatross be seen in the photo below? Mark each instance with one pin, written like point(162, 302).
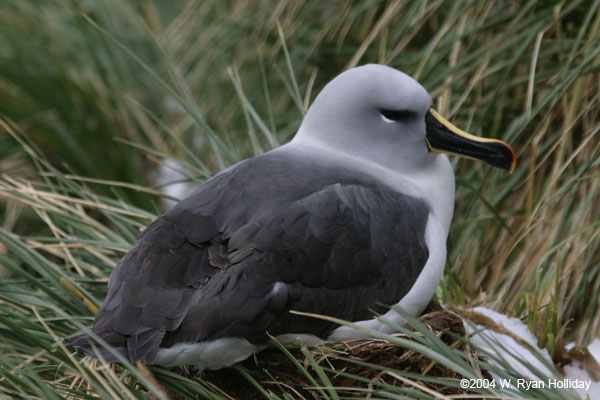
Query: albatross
point(346, 220)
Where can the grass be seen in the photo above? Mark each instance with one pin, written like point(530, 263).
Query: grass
point(94, 95)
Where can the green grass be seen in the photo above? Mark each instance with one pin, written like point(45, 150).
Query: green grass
point(93, 95)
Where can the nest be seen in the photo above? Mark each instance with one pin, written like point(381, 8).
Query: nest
point(275, 372)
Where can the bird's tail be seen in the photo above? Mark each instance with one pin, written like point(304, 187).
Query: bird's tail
point(98, 349)
point(140, 347)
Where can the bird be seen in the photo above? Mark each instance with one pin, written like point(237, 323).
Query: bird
point(346, 220)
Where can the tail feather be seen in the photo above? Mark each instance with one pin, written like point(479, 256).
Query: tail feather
point(141, 347)
point(95, 349)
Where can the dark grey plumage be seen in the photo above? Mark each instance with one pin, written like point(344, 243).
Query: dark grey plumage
point(207, 269)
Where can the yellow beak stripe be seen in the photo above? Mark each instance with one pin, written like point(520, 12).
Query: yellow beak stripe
point(452, 128)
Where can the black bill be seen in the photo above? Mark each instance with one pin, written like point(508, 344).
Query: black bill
point(443, 137)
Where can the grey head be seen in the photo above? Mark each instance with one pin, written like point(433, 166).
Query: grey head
point(372, 112)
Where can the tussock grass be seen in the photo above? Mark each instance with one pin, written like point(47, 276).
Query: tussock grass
point(95, 94)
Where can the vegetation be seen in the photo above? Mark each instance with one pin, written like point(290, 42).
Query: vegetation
point(94, 95)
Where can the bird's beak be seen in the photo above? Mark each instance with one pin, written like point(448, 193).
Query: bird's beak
point(443, 137)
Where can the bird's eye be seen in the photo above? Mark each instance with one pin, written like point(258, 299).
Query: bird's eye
point(397, 115)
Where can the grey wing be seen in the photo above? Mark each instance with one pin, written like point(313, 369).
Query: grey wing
point(235, 262)
point(343, 250)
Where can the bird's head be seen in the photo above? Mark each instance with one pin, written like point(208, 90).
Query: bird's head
point(381, 114)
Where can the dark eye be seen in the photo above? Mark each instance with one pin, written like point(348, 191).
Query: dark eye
point(398, 115)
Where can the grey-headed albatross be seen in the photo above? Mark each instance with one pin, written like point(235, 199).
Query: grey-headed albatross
point(351, 215)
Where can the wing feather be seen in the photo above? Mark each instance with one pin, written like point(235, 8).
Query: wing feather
point(245, 248)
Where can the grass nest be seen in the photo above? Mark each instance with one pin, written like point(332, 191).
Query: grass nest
point(351, 367)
